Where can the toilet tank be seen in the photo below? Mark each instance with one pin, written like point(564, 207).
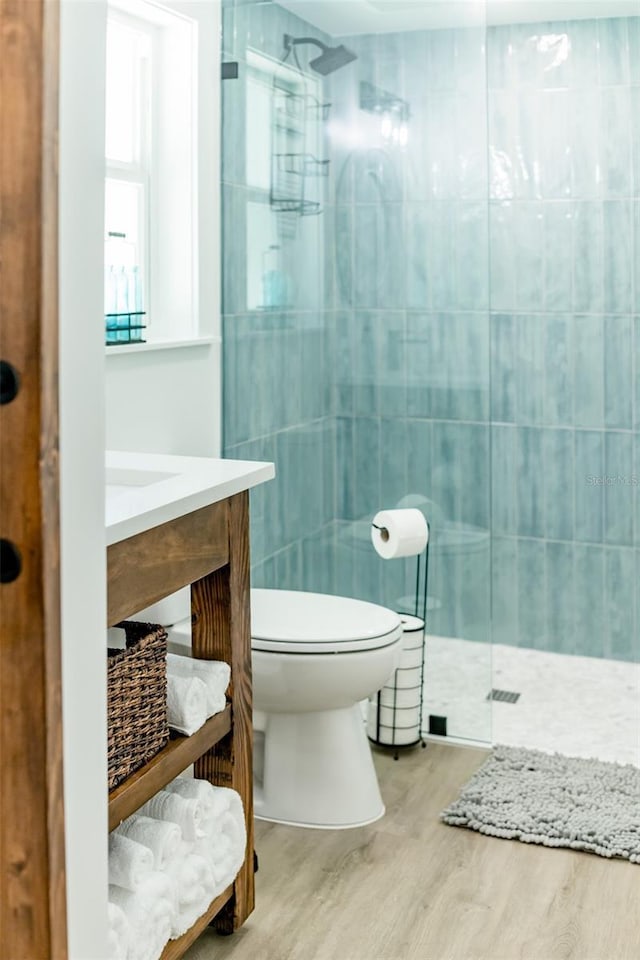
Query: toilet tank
point(168, 611)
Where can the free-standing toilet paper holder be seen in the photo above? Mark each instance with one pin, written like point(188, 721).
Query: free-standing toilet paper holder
point(395, 712)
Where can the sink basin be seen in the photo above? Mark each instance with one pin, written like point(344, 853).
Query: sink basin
point(144, 490)
point(121, 480)
point(122, 477)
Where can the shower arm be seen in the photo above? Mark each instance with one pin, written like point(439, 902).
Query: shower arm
point(290, 42)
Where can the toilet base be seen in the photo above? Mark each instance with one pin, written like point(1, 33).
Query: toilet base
point(317, 771)
point(321, 826)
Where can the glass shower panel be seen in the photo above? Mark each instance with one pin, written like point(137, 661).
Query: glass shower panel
point(275, 310)
point(564, 130)
point(356, 314)
point(411, 343)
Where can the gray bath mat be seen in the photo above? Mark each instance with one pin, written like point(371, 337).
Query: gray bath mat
point(558, 801)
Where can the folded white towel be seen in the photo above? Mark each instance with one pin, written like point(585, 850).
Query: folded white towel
point(224, 846)
point(215, 674)
point(163, 839)
point(193, 883)
point(151, 913)
point(186, 703)
point(129, 861)
point(170, 807)
point(118, 932)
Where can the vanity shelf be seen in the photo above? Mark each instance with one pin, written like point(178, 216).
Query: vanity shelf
point(207, 548)
point(178, 754)
point(175, 948)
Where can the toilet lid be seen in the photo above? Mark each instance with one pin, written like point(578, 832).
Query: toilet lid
point(291, 621)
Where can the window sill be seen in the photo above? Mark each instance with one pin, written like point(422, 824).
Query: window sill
point(131, 348)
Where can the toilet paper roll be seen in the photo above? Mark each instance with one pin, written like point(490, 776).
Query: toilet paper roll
point(386, 732)
point(406, 678)
point(410, 658)
point(401, 699)
point(402, 718)
point(399, 533)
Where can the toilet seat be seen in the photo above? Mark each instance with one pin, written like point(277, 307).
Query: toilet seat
point(293, 621)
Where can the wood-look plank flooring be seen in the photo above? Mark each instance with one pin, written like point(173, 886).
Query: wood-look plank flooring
point(411, 888)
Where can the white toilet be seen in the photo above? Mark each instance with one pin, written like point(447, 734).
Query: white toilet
point(314, 658)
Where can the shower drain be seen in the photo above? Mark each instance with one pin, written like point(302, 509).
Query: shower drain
point(505, 696)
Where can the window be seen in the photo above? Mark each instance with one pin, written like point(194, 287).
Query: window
point(154, 126)
point(128, 142)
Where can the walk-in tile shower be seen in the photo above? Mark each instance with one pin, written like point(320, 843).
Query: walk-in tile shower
point(431, 297)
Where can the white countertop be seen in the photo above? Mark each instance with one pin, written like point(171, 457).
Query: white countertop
point(144, 490)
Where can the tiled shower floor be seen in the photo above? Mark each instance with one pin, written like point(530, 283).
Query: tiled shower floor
point(579, 706)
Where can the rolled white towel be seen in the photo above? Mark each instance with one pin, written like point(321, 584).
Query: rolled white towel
point(184, 880)
point(151, 912)
point(118, 932)
point(170, 807)
point(129, 861)
point(162, 838)
point(229, 848)
point(186, 703)
point(211, 801)
point(224, 846)
point(215, 674)
point(193, 883)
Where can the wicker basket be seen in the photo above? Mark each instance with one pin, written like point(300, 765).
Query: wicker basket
point(136, 699)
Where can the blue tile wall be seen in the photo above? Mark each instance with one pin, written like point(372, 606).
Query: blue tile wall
point(278, 382)
point(588, 489)
point(618, 372)
point(636, 354)
point(558, 255)
point(530, 470)
point(558, 369)
point(613, 52)
point(621, 638)
point(530, 581)
point(590, 619)
point(636, 494)
point(470, 334)
point(558, 467)
point(419, 456)
point(504, 469)
point(560, 596)
point(409, 264)
point(504, 569)
point(564, 131)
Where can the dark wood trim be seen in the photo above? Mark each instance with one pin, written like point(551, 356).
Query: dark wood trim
point(155, 563)
point(179, 754)
point(176, 948)
point(220, 605)
point(32, 877)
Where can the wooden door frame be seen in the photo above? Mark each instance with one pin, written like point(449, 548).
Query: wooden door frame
point(32, 872)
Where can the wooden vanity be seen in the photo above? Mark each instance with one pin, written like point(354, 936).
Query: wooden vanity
point(207, 548)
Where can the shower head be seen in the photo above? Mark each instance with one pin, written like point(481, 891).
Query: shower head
point(330, 59)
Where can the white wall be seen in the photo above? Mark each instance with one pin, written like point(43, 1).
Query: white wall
point(165, 401)
point(83, 566)
point(162, 400)
point(169, 400)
